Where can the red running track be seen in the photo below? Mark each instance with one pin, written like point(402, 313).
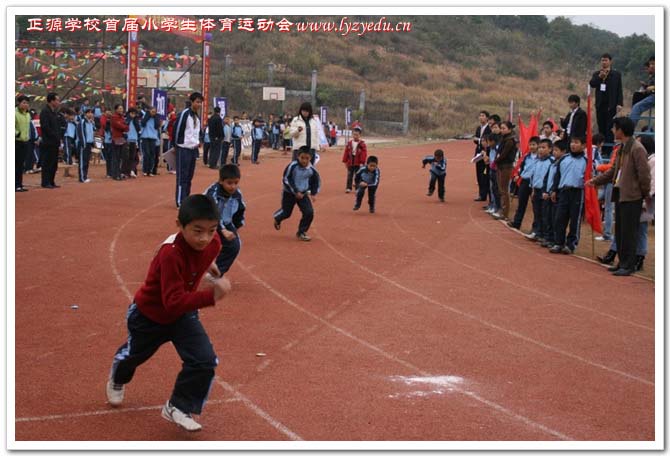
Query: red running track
point(424, 321)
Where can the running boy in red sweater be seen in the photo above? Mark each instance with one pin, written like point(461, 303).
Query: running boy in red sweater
point(165, 309)
point(355, 154)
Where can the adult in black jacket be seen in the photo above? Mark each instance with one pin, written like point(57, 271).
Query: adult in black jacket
point(51, 138)
point(505, 162)
point(215, 125)
point(574, 124)
point(609, 97)
point(480, 166)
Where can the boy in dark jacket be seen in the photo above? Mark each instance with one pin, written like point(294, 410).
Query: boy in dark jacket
point(367, 178)
point(438, 172)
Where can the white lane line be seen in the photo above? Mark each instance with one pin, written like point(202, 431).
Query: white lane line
point(258, 411)
point(516, 284)
point(112, 248)
point(111, 411)
point(485, 322)
point(402, 362)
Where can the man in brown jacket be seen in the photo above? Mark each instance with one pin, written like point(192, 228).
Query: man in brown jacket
point(631, 178)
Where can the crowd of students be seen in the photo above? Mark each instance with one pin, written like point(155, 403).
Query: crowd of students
point(552, 177)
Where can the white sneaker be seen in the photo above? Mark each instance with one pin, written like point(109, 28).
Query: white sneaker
point(497, 215)
point(601, 238)
point(181, 419)
point(132, 174)
point(114, 393)
point(87, 181)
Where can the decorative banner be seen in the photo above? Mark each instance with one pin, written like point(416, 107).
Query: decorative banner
point(222, 102)
point(324, 114)
point(159, 101)
point(205, 80)
point(131, 79)
point(347, 115)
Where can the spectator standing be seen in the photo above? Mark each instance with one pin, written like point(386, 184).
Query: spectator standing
point(215, 125)
point(574, 124)
point(648, 93)
point(22, 140)
point(51, 140)
point(187, 140)
point(609, 96)
point(119, 131)
point(504, 164)
point(480, 165)
point(304, 131)
point(631, 178)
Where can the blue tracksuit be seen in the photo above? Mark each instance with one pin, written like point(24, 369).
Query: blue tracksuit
point(299, 180)
point(569, 183)
point(236, 138)
point(231, 208)
point(540, 170)
point(69, 142)
point(525, 188)
point(257, 140)
point(86, 136)
point(372, 181)
point(438, 173)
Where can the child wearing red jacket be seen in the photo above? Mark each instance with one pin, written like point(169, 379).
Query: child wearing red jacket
point(165, 309)
point(355, 156)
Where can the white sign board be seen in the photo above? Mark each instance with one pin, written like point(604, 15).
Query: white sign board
point(274, 93)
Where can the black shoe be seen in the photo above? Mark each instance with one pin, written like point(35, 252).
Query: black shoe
point(623, 272)
point(277, 225)
point(356, 208)
point(480, 199)
point(55, 186)
point(513, 225)
point(48, 186)
point(640, 263)
point(614, 268)
point(372, 210)
point(21, 189)
point(608, 258)
point(429, 194)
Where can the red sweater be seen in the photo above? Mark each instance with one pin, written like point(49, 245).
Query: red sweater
point(169, 291)
point(119, 126)
point(359, 157)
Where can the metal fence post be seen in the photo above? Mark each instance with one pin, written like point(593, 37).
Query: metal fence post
point(405, 117)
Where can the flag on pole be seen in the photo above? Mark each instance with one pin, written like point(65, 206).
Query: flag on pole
point(591, 205)
point(511, 110)
point(525, 133)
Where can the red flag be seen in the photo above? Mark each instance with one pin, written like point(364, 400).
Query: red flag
point(591, 204)
point(525, 133)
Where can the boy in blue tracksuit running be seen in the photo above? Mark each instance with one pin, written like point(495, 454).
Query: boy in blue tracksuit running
point(568, 190)
point(537, 178)
point(228, 198)
point(301, 185)
point(86, 137)
point(257, 139)
point(367, 177)
point(438, 172)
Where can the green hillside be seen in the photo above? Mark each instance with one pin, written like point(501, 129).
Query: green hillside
point(448, 67)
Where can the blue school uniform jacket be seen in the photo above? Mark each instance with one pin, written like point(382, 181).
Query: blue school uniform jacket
point(527, 166)
point(540, 171)
point(370, 178)
point(300, 180)
point(570, 171)
point(231, 207)
point(437, 167)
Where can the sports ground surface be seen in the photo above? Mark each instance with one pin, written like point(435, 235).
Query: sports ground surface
point(424, 321)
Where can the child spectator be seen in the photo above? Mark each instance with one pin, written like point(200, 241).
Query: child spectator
point(119, 131)
point(228, 198)
point(333, 134)
point(367, 177)
point(106, 126)
point(438, 172)
point(206, 142)
point(86, 135)
point(569, 193)
point(21, 140)
point(548, 204)
point(165, 309)
point(355, 154)
point(236, 137)
point(150, 136)
point(605, 195)
point(257, 134)
point(525, 188)
point(540, 171)
point(70, 137)
point(301, 185)
point(134, 128)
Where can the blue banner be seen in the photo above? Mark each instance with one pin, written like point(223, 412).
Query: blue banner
point(324, 114)
point(159, 101)
point(221, 102)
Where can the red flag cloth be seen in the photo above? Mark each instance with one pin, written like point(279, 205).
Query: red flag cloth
point(591, 204)
point(525, 133)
